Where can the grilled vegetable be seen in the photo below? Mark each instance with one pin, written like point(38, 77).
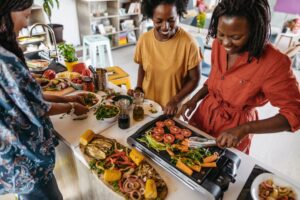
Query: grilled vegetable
point(86, 137)
point(212, 164)
point(111, 175)
point(150, 189)
point(211, 158)
point(180, 165)
point(136, 156)
point(95, 151)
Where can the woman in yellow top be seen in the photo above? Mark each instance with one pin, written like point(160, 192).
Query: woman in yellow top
point(168, 57)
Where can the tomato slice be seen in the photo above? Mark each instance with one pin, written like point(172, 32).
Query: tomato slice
point(158, 130)
point(186, 132)
point(169, 138)
point(158, 137)
point(175, 130)
point(179, 136)
point(160, 124)
point(169, 122)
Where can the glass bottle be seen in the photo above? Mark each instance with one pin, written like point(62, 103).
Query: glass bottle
point(88, 84)
point(124, 118)
point(138, 110)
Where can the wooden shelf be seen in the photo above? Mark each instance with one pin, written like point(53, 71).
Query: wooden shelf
point(104, 17)
point(88, 24)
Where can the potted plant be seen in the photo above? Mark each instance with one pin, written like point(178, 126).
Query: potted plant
point(69, 54)
point(48, 5)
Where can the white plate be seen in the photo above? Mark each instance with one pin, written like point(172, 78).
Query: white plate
point(147, 108)
point(277, 181)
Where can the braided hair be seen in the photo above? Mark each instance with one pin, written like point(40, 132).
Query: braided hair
point(8, 38)
point(148, 6)
point(257, 13)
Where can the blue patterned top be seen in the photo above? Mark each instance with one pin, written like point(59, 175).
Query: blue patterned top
point(27, 141)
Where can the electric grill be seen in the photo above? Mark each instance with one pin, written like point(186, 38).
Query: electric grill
point(211, 182)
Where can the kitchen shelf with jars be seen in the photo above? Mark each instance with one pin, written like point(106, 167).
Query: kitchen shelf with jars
point(39, 36)
point(119, 20)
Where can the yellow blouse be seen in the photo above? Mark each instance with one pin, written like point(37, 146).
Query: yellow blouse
point(166, 64)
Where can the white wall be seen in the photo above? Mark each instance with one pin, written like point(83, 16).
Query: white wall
point(67, 16)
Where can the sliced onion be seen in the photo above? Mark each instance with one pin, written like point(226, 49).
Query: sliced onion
point(135, 195)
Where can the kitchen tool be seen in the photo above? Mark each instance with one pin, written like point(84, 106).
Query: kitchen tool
point(211, 182)
point(198, 142)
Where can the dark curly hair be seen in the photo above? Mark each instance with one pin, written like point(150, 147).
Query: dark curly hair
point(257, 13)
point(148, 6)
point(8, 38)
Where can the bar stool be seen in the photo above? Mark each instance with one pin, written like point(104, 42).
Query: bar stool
point(118, 76)
point(94, 48)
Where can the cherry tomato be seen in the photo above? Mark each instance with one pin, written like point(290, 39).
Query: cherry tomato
point(186, 132)
point(158, 137)
point(175, 130)
point(158, 130)
point(179, 136)
point(169, 122)
point(169, 138)
point(160, 124)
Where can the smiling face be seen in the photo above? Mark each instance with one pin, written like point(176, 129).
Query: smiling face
point(20, 19)
point(233, 33)
point(165, 21)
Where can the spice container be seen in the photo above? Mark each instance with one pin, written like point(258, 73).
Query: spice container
point(101, 79)
point(138, 110)
point(88, 84)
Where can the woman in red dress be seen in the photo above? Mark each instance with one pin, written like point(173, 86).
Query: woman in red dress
point(247, 72)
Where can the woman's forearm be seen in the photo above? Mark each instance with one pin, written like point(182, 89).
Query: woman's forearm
point(274, 124)
point(53, 98)
point(141, 74)
point(200, 94)
point(59, 108)
point(189, 85)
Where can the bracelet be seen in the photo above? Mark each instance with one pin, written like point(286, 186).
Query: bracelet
point(139, 88)
point(72, 110)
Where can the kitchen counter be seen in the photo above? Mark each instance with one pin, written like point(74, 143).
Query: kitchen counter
point(69, 132)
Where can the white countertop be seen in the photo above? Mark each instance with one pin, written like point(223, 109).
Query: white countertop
point(70, 131)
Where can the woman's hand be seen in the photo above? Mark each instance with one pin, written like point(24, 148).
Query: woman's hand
point(171, 108)
point(188, 106)
point(75, 98)
point(232, 137)
point(80, 109)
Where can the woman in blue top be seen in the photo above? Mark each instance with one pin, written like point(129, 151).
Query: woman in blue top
point(27, 140)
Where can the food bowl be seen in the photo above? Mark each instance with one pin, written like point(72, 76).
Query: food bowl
point(276, 181)
point(117, 99)
point(107, 113)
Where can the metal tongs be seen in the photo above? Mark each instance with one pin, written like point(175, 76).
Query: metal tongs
point(198, 142)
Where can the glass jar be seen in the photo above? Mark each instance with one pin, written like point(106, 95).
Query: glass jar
point(124, 118)
point(138, 110)
point(88, 84)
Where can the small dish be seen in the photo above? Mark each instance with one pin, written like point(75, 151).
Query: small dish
point(107, 113)
point(151, 108)
point(276, 180)
point(121, 96)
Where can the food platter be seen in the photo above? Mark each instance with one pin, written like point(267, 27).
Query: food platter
point(280, 189)
point(123, 170)
point(37, 65)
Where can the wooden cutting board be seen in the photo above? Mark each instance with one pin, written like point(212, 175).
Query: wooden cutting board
point(61, 92)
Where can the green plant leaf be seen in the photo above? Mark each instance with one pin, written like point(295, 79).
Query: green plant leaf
point(51, 3)
point(57, 3)
point(47, 9)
